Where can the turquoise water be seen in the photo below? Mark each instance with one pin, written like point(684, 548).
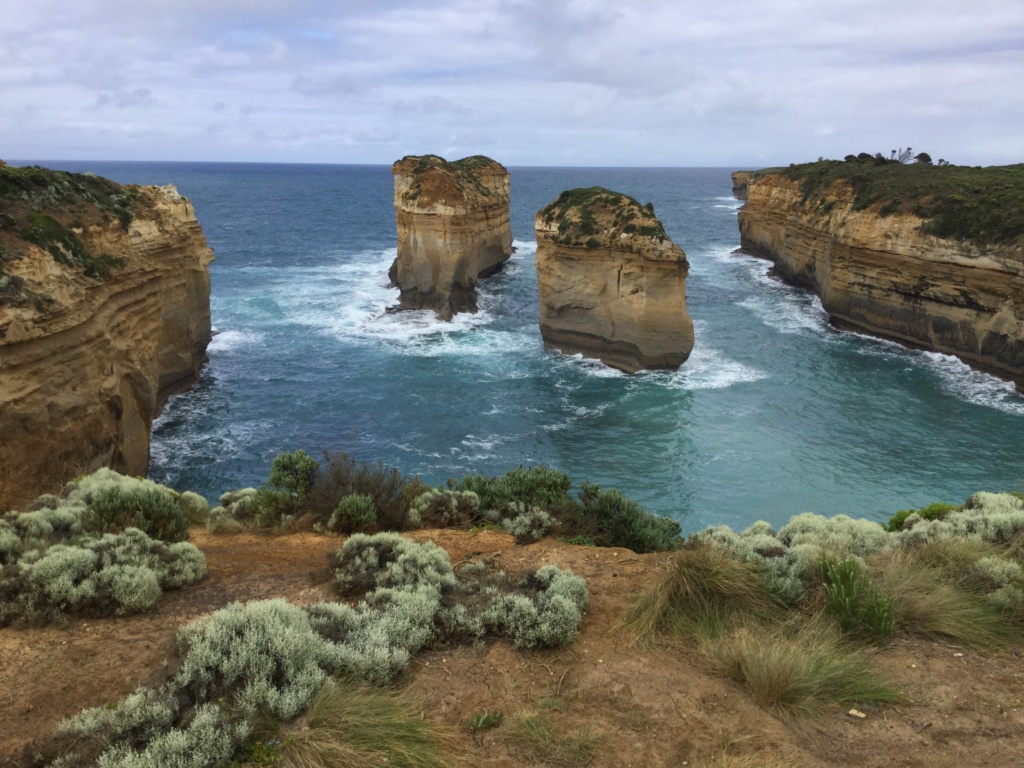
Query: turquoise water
point(774, 414)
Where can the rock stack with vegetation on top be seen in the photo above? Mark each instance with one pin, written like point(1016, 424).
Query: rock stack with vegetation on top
point(612, 283)
point(453, 229)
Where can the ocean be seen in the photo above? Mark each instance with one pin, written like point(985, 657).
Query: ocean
point(775, 413)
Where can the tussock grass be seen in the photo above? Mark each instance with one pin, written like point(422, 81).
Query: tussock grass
point(696, 593)
point(531, 740)
point(797, 671)
point(352, 725)
point(927, 601)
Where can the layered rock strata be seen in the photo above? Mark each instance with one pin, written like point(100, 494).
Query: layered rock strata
point(453, 229)
point(104, 313)
point(612, 283)
point(882, 275)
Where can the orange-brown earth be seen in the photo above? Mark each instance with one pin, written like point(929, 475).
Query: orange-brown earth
point(652, 708)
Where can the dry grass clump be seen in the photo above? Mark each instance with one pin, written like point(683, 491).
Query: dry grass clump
point(928, 599)
point(351, 725)
point(696, 593)
point(532, 740)
point(796, 671)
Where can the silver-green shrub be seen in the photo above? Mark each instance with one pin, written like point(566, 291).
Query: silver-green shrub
point(195, 507)
point(113, 573)
point(389, 560)
point(527, 523)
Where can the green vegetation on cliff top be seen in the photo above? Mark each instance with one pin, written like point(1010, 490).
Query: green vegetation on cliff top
point(44, 207)
point(584, 212)
point(982, 205)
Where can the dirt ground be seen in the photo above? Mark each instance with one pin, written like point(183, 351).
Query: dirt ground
point(651, 708)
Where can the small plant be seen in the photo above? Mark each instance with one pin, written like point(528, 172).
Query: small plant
point(860, 608)
point(485, 721)
point(527, 523)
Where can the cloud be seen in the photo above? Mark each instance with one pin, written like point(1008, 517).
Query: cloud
point(527, 81)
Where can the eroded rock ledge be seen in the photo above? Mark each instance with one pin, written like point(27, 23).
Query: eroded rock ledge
point(881, 274)
point(453, 228)
point(612, 284)
point(104, 314)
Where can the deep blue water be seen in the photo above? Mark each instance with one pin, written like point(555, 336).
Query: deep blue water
point(774, 414)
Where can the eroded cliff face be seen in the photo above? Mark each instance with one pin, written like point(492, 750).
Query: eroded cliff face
point(453, 228)
point(740, 179)
point(612, 284)
point(881, 275)
point(93, 344)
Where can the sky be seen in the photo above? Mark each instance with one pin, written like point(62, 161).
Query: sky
point(738, 83)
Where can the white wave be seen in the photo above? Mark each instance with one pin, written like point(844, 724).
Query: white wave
point(960, 380)
point(792, 313)
point(228, 341)
point(707, 368)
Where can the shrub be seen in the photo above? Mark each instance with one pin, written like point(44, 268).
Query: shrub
point(538, 486)
point(295, 472)
point(155, 513)
point(341, 476)
point(553, 619)
point(527, 523)
point(860, 608)
point(354, 513)
point(439, 508)
point(387, 560)
point(116, 573)
point(934, 511)
point(195, 508)
point(615, 521)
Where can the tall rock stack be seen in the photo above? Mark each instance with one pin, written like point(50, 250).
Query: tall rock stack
point(104, 314)
point(612, 284)
point(453, 229)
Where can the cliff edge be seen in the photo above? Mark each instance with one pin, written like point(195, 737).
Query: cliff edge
point(453, 228)
point(932, 257)
point(104, 314)
point(612, 283)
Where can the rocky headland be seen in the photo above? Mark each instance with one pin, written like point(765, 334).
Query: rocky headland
point(104, 314)
point(931, 256)
point(740, 179)
point(612, 283)
point(453, 229)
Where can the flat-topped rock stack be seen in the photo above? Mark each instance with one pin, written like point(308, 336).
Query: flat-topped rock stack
point(453, 229)
point(612, 283)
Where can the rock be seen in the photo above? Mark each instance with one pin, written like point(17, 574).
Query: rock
point(453, 228)
point(881, 275)
point(86, 362)
point(612, 284)
point(740, 179)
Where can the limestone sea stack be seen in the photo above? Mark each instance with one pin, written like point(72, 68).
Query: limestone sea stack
point(612, 283)
point(453, 229)
point(104, 313)
point(929, 256)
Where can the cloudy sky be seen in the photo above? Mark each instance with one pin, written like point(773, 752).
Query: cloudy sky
point(740, 83)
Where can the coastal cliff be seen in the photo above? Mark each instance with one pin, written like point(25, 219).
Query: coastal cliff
point(740, 180)
point(104, 314)
point(922, 267)
point(612, 284)
point(453, 228)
